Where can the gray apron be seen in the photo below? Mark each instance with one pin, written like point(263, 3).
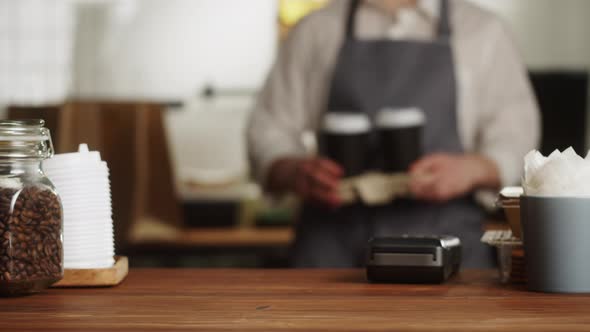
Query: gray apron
point(370, 75)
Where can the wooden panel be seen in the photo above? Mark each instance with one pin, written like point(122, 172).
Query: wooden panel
point(294, 300)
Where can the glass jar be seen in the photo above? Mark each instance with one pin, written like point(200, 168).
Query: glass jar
point(31, 230)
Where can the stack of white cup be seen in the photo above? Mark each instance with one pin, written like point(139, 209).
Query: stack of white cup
point(82, 181)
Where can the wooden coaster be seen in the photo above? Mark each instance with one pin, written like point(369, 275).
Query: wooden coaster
point(96, 277)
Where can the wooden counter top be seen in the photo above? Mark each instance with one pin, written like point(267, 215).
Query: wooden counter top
point(289, 300)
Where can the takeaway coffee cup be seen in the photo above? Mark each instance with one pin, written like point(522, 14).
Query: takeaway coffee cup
point(400, 137)
point(345, 139)
point(556, 235)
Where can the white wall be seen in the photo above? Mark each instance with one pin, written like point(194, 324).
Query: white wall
point(35, 51)
point(169, 49)
point(550, 34)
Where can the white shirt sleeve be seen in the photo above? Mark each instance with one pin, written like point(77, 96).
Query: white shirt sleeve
point(280, 115)
point(509, 125)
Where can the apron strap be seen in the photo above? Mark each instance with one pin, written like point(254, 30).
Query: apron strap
point(350, 18)
point(443, 29)
point(444, 21)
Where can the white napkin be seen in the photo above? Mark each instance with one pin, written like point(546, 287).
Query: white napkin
point(559, 174)
point(374, 188)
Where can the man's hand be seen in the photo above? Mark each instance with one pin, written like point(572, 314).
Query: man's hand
point(442, 177)
point(314, 179)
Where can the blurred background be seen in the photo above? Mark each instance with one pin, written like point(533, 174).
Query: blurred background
point(163, 89)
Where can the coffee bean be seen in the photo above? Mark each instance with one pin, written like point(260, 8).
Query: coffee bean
point(30, 238)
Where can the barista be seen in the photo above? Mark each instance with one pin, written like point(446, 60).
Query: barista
point(454, 61)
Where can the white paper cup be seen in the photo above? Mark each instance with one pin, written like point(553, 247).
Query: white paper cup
point(344, 139)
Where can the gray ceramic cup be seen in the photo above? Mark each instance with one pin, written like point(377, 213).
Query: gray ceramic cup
point(556, 235)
